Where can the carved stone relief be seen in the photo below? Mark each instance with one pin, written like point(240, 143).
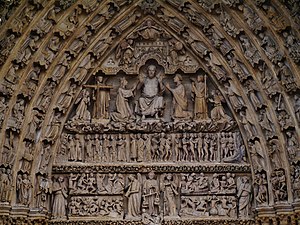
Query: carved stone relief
point(150, 111)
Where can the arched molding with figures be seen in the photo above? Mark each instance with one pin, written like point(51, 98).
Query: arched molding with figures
point(77, 119)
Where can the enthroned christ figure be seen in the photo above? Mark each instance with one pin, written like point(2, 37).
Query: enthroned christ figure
point(150, 104)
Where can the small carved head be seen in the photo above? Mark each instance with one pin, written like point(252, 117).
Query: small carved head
point(124, 82)
point(151, 71)
point(131, 177)
point(200, 78)
point(177, 78)
point(60, 179)
point(151, 175)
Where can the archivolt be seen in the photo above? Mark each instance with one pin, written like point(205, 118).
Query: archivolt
point(225, 26)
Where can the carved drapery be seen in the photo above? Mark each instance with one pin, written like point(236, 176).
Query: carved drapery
point(249, 50)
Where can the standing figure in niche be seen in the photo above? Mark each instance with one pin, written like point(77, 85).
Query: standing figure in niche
point(5, 184)
point(60, 199)
point(151, 195)
point(140, 145)
point(133, 148)
point(121, 143)
point(72, 154)
point(24, 187)
point(134, 196)
point(168, 148)
point(180, 102)
point(82, 112)
point(123, 111)
point(105, 147)
point(169, 187)
point(151, 102)
point(78, 147)
point(244, 196)
point(148, 146)
point(177, 147)
point(199, 89)
point(89, 149)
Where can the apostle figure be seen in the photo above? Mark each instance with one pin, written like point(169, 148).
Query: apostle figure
point(200, 94)
point(180, 102)
point(134, 196)
point(151, 199)
point(150, 103)
point(60, 199)
point(244, 196)
point(24, 188)
point(123, 112)
point(169, 188)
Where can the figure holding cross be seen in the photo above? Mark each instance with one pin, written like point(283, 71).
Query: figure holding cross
point(101, 99)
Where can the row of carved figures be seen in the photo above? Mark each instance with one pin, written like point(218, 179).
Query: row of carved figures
point(113, 183)
point(155, 195)
point(151, 102)
point(190, 206)
point(189, 185)
point(157, 147)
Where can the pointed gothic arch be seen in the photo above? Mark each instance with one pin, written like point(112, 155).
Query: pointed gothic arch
point(51, 49)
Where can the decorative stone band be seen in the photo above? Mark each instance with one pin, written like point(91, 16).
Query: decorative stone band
point(9, 220)
point(165, 222)
point(150, 127)
point(181, 168)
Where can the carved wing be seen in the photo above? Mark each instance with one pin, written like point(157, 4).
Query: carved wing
point(248, 117)
point(66, 88)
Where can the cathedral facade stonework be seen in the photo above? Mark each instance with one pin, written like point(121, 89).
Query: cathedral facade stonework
point(150, 112)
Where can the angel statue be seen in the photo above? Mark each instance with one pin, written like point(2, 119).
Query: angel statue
point(133, 194)
point(169, 186)
point(82, 112)
point(234, 97)
point(151, 102)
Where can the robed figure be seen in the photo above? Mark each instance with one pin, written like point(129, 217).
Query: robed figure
point(134, 196)
point(123, 111)
point(151, 102)
point(82, 112)
point(199, 90)
point(244, 196)
point(60, 199)
point(180, 102)
point(101, 99)
point(150, 196)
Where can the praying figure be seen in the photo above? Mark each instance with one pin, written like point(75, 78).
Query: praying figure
point(180, 102)
point(123, 112)
point(218, 113)
point(82, 112)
